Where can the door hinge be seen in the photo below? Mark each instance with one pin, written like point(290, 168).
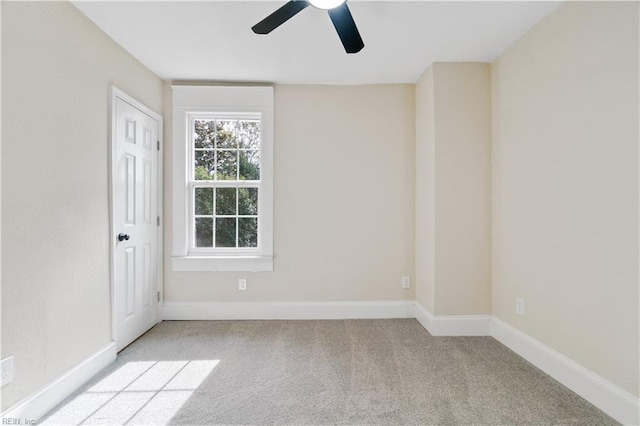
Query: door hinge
point(158, 145)
point(158, 296)
point(158, 220)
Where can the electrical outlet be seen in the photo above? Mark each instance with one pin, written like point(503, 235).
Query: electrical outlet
point(6, 368)
point(519, 306)
point(406, 282)
point(242, 284)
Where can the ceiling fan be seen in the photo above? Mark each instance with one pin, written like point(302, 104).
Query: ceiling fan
point(338, 12)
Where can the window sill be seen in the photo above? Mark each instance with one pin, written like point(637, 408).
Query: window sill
point(222, 264)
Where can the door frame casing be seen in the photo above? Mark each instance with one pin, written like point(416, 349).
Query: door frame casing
point(115, 93)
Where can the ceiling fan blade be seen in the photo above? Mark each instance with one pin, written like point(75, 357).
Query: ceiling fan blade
point(346, 28)
point(279, 17)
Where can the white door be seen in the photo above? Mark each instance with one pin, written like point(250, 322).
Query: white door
point(135, 219)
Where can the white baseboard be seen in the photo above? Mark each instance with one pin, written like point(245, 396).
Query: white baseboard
point(616, 402)
point(453, 325)
point(288, 310)
point(40, 403)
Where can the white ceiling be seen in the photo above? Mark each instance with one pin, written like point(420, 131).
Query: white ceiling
point(212, 40)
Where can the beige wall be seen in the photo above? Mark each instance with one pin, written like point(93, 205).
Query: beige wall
point(343, 227)
point(357, 174)
point(565, 186)
point(56, 71)
point(425, 186)
point(453, 189)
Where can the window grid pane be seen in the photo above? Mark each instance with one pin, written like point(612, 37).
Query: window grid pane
point(226, 232)
point(226, 164)
point(226, 202)
point(227, 134)
point(247, 232)
point(247, 201)
point(204, 164)
point(203, 200)
point(204, 232)
point(204, 135)
point(249, 134)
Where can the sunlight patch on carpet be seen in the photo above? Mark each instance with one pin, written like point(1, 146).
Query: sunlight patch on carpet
point(138, 393)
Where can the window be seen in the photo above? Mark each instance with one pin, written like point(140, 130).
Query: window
point(225, 181)
point(223, 185)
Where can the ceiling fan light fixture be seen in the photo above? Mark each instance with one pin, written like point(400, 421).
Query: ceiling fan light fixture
point(326, 4)
point(338, 12)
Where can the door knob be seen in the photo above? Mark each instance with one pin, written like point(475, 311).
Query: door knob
point(122, 237)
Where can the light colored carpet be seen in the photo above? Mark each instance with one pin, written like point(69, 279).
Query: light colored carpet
point(320, 373)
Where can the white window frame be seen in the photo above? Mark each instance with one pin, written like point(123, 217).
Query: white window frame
point(191, 102)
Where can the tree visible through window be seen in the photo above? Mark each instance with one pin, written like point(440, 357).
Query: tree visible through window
point(225, 182)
